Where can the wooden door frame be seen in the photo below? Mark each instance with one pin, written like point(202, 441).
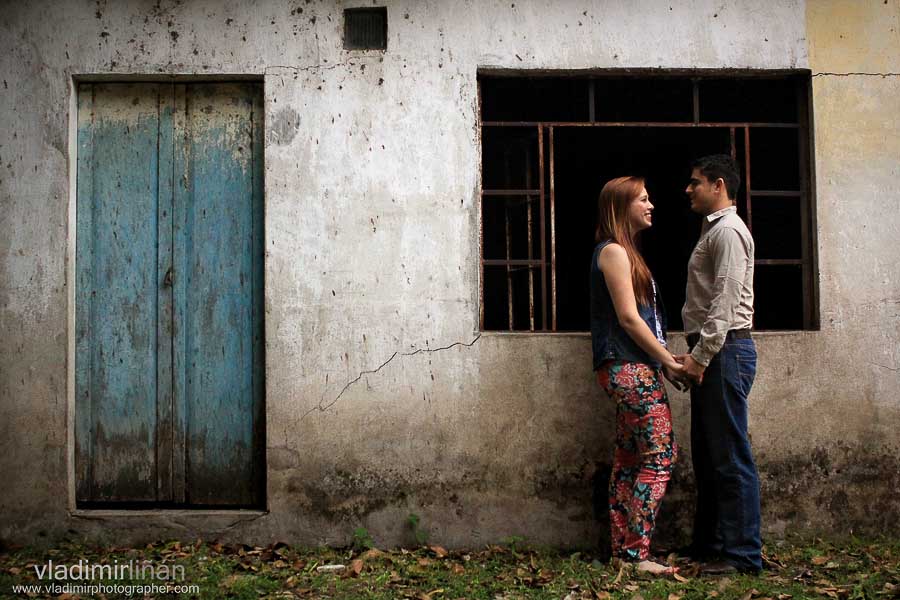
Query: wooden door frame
point(73, 82)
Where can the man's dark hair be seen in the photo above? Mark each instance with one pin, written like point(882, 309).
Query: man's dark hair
point(715, 166)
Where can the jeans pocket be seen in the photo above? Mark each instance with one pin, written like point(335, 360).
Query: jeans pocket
point(746, 368)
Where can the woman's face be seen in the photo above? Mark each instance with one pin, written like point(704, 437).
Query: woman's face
point(640, 211)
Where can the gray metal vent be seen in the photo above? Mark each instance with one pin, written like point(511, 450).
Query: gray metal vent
point(365, 28)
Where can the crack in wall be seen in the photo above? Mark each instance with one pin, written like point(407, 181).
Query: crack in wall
point(874, 364)
point(318, 66)
point(319, 407)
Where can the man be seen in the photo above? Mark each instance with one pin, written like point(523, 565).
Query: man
point(718, 315)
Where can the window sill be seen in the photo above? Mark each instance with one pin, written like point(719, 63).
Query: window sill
point(672, 334)
point(104, 513)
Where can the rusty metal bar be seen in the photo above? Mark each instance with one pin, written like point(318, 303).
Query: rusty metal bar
point(552, 237)
point(724, 125)
point(540, 131)
point(778, 193)
point(592, 103)
point(521, 262)
point(805, 208)
point(481, 211)
point(529, 241)
point(696, 100)
point(778, 261)
point(733, 145)
point(509, 282)
point(510, 192)
point(747, 176)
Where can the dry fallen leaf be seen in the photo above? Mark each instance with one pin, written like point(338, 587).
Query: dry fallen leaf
point(371, 553)
point(680, 578)
point(819, 560)
point(356, 567)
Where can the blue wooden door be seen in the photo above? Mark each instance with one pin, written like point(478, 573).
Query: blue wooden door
point(169, 353)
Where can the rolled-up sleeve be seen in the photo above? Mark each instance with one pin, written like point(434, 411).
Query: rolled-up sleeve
point(730, 257)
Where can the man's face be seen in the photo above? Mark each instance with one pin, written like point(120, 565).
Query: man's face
point(702, 193)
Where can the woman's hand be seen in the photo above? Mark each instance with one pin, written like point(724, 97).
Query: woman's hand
point(676, 374)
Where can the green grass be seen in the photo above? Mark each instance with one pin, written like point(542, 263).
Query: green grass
point(850, 568)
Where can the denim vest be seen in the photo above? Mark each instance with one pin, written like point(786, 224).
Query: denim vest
point(608, 339)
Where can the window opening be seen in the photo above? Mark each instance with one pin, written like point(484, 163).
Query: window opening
point(549, 144)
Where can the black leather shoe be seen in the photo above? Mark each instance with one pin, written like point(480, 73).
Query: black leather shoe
point(719, 567)
point(693, 553)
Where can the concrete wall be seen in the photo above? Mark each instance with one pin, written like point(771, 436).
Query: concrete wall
point(382, 399)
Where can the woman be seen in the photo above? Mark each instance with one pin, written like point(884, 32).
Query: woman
point(628, 340)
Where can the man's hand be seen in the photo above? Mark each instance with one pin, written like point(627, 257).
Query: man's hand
point(692, 368)
point(677, 377)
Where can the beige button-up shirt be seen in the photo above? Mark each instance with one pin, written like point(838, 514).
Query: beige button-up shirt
point(719, 292)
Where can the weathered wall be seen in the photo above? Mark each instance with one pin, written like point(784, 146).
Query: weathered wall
point(850, 371)
point(372, 249)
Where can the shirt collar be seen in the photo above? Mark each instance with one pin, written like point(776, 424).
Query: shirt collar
point(721, 213)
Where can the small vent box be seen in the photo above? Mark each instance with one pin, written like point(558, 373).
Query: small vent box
point(365, 28)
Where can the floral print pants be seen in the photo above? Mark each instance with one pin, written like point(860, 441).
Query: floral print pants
point(644, 455)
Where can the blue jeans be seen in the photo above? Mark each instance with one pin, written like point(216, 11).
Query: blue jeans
point(727, 521)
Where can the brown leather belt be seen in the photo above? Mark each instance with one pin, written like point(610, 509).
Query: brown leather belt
point(734, 334)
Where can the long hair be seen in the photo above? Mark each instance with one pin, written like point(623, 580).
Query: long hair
point(613, 224)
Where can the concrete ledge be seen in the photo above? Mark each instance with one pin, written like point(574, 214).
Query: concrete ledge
point(105, 513)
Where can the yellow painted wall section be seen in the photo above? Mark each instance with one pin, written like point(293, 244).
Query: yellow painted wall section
point(853, 36)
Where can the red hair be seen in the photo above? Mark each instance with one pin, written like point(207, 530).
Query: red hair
point(613, 224)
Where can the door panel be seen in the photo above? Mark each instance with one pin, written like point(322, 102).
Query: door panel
point(116, 330)
point(222, 362)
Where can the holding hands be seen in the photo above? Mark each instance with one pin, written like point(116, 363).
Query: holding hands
point(675, 373)
point(692, 368)
point(683, 372)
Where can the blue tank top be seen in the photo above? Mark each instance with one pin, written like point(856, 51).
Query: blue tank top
point(608, 339)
